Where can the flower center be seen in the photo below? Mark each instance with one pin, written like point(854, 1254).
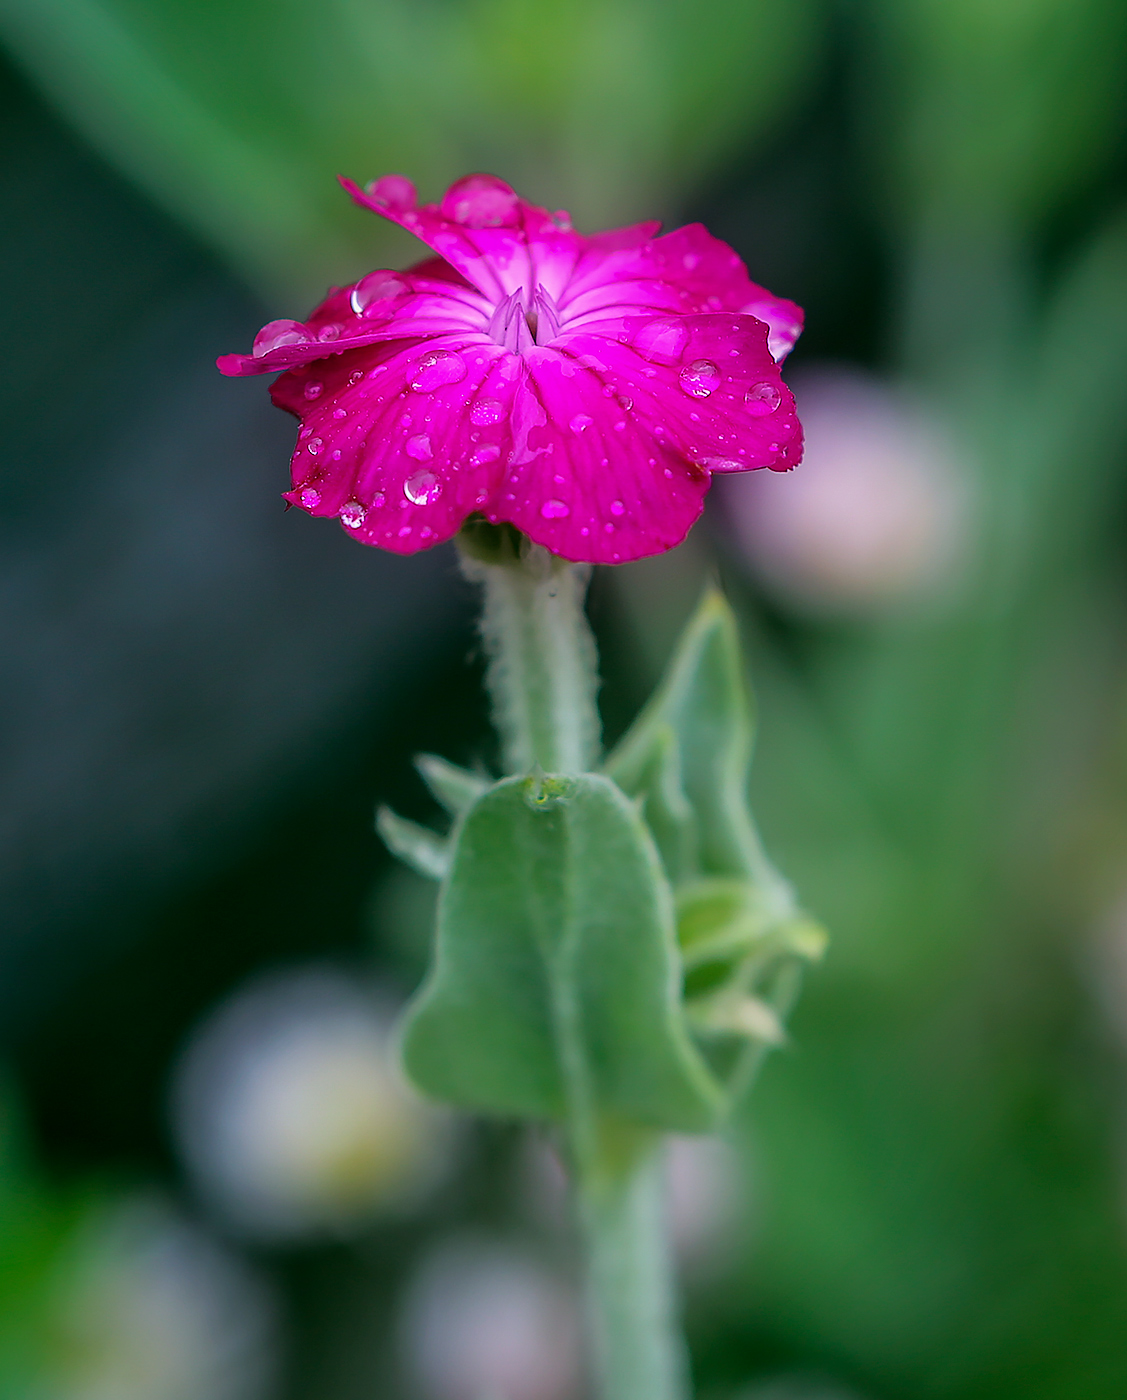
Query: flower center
point(518, 326)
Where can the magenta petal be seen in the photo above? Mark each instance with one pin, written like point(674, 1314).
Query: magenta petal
point(585, 479)
point(401, 442)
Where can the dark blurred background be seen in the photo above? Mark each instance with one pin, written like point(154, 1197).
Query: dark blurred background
point(212, 1184)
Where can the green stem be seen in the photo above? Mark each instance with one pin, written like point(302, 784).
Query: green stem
point(636, 1344)
point(543, 678)
point(543, 668)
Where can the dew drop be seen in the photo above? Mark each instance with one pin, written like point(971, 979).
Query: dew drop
point(339, 413)
point(393, 192)
point(404, 531)
point(278, 333)
point(378, 499)
point(626, 403)
point(699, 379)
point(313, 446)
point(422, 488)
point(352, 514)
point(488, 452)
point(310, 497)
point(356, 376)
point(554, 510)
point(762, 399)
point(336, 454)
point(486, 412)
point(662, 340)
point(481, 201)
point(580, 423)
point(608, 528)
point(419, 447)
point(436, 369)
point(617, 508)
point(366, 297)
point(313, 390)
point(330, 332)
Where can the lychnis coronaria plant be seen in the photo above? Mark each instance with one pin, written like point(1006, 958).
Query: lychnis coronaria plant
point(614, 952)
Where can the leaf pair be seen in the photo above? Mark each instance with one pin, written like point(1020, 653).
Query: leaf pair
point(609, 944)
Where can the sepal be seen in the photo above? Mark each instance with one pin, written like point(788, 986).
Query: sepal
point(417, 846)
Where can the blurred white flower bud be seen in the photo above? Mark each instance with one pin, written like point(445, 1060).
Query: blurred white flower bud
point(706, 1189)
point(292, 1115)
point(705, 1193)
point(150, 1308)
point(875, 511)
point(483, 1321)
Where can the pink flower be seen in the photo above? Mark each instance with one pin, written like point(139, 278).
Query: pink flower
point(584, 389)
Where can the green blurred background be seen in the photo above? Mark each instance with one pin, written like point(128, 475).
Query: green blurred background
point(927, 1194)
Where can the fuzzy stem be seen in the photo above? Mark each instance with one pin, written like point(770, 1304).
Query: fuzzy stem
point(543, 679)
point(636, 1345)
point(543, 669)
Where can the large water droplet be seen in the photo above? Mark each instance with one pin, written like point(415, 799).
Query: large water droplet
point(310, 497)
point(393, 192)
point(762, 399)
point(662, 341)
point(481, 201)
point(436, 369)
point(330, 332)
point(352, 514)
point(699, 379)
point(580, 422)
point(370, 291)
point(486, 412)
point(422, 488)
point(555, 510)
point(419, 447)
point(314, 445)
point(278, 333)
point(313, 390)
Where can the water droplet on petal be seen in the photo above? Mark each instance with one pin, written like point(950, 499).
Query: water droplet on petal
point(554, 510)
point(313, 446)
point(370, 291)
point(663, 341)
point(330, 332)
point(310, 497)
point(617, 508)
point(580, 422)
point(339, 413)
point(762, 399)
point(278, 333)
point(488, 452)
point(419, 447)
point(393, 192)
point(313, 390)
point(486, 412)
point(404, 531)
point(356, 376)
point(352, 514)
point(378, 499)
point(422, 488)
point(481, 201)
point(699, 379)
point(436, 369)
point(626, 403)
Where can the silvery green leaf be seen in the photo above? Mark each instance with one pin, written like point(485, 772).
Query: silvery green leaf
point(556, 983)
point(417, 846)
point(457, 789)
